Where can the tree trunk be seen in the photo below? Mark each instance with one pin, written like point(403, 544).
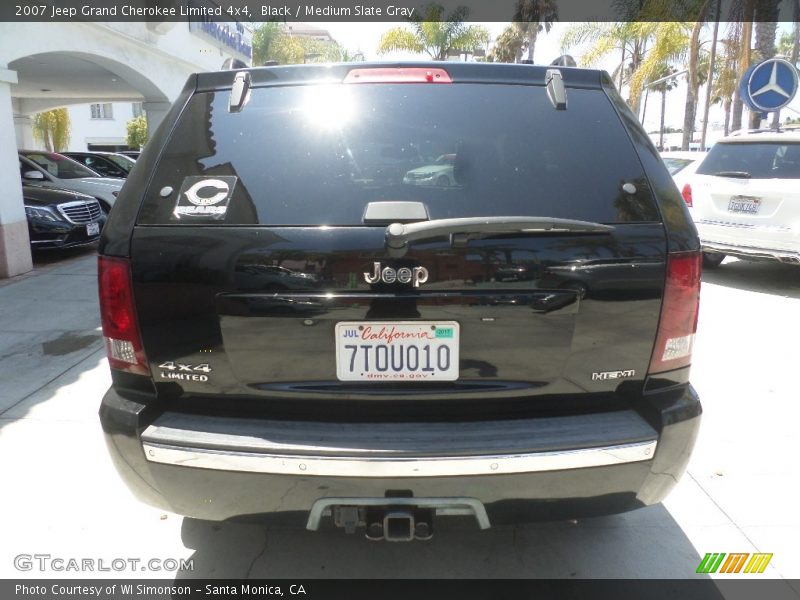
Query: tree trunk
point(796, 45)
point(744, 63)
point(691, 85)
point(766, 14)
point(710, 80)
point(533, 32)
point(622, 68)
point(727, 105)
point(638, 50)
point(663, 110)
point(644, 105)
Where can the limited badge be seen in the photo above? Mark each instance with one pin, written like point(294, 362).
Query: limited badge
point(204, 197)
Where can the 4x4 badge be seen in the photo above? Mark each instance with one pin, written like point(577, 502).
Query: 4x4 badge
point(415, 276)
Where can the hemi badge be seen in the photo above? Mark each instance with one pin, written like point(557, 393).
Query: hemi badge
point(603, 375)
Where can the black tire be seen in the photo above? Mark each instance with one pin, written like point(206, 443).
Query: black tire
point(712, 260)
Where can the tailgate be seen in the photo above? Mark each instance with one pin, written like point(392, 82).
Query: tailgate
point(535, 315)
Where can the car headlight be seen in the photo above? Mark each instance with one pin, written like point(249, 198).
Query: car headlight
point(41, 213)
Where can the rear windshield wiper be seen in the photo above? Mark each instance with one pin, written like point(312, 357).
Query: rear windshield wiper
point(739, 174)
point(461, 231)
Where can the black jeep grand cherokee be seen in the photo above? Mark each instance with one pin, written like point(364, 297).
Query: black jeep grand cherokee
point(293, 324)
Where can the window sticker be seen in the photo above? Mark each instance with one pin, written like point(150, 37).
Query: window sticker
point(204, 197)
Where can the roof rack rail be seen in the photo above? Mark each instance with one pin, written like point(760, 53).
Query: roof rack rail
point(780, 129)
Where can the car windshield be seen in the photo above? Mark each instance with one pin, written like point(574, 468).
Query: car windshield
point(675, 165)
point(758, 160)
point(60, 166)
point(318, 154)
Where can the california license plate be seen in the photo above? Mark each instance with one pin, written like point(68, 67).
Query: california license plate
point(747, 205)
point(397, 351)
point(92, 228)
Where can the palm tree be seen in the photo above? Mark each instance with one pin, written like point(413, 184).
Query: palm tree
point(436, 35)
point(712, 63)
point(665, 86)
point(533, 16)
point(743, 13)
point(726, 80)
point(509, 45)
point(766, 27)
point(693, 83)
point(52, 128)
point(628, 38)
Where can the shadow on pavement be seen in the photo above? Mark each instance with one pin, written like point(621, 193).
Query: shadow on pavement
point(646, 543)
point(50, 325)
point(766, 277)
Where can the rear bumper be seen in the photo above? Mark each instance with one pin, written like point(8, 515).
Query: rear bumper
point(519, 470)
point(735, 239)
point(788, 256)
point(45, 235)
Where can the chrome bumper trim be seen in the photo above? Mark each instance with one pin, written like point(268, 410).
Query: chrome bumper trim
point(426, 466)
point(736, 250)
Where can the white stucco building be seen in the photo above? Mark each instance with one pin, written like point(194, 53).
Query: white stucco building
point(50, 65)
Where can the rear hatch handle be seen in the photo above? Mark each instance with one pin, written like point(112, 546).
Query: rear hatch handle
point(461, 231)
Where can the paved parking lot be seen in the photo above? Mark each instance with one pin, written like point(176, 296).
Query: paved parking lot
point(61, 496)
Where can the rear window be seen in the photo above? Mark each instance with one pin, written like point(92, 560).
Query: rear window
point(318, 154)
point(60, 166)
point(759, 160)
point(676, 165)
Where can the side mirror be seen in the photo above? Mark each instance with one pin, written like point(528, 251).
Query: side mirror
point(33, 175)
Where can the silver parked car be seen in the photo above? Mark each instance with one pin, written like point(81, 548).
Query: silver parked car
point(53, 170)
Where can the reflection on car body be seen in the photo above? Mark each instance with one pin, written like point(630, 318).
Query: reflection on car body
point(61, 218)
point(273, 278)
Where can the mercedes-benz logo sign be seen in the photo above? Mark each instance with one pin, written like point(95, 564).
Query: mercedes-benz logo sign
point(769, 85)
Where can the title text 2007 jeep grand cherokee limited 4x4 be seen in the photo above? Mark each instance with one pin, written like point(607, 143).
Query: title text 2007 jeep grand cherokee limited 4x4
point(307, 309)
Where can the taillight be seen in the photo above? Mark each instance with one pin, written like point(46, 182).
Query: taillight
point(118, 316)
point(397, 75)
point(686, 192)
point(678, 322)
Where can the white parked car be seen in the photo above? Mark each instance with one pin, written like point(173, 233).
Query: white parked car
point(682, 164)
point(53, 170)
point(745, 197)
point(440, 173)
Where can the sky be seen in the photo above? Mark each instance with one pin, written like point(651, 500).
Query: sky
point(366, 36)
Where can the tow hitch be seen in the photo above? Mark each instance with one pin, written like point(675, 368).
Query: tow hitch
point(393, 519)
